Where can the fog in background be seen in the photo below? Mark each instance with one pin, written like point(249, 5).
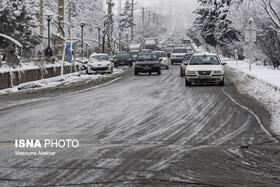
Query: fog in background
point(179, 12)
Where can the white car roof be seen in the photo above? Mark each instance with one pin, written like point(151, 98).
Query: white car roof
point(98, 54)
point(158, 52)
point(179, 48)
point(206, 54)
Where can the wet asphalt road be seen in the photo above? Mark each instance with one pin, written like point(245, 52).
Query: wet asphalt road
point(141, 131)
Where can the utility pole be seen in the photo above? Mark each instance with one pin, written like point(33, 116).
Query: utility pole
point(132, 10)
point(154, 18)
point(61, 17)
point(143, 16)
point(149, 17)
point(143, 24)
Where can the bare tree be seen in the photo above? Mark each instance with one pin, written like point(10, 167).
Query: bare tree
point(270, 9)
point(271, 48)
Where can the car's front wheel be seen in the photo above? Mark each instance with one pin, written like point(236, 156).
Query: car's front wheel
point(222, 83)
point(159, 71)
point(135, 72)
point(181, 73)
point(187, 83)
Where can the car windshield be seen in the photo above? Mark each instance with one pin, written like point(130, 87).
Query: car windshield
point(180, 50)
point(168, 49)
point(204, 60)
point(122, 55)
point(133, 53)
point(160, 54)
point(188, 57)
point(100, 58)
point(186, 42)
point(147, 57)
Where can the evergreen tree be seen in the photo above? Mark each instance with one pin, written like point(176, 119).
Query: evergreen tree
point(213, 23)
point(125, 17)
point(16, 22)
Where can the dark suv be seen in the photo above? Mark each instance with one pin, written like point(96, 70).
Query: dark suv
point(122, 59)
point(147, 63)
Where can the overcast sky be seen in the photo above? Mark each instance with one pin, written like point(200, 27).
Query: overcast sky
point(186, 6)
point(177, 8)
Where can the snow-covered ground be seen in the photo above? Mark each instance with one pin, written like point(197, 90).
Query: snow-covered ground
point(65, 80)
point(31, 66)
point(261, 83)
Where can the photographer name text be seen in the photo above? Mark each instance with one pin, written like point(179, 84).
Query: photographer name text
point(61, 143)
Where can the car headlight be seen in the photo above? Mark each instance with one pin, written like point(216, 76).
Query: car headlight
point(217, 72)
point(108, 65)
point(191, 72)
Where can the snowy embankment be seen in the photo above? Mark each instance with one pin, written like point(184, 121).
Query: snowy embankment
point(63, 80)
point(261, 83)
point(31, 66)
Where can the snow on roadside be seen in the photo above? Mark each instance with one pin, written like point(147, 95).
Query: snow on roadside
point(65, 80)
point(261, 83)
point(31, 66)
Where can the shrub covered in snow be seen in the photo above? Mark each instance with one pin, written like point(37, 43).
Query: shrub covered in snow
point(17, 22)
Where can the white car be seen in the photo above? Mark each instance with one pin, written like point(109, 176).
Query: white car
point(178, 54)
point(204, 68)
point(99, 63)
point(163, 57)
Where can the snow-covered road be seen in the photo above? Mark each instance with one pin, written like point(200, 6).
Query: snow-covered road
point(141, 130)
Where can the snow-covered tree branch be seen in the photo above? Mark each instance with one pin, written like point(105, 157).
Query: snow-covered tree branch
point(272, 12)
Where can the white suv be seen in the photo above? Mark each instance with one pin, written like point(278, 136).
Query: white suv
point(178, 54)
point(205, 68)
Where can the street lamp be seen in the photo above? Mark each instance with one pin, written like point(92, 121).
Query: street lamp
point(120, 39)
point(99, 28)
point(48, 51)
point(82, 24)
point(127, 41)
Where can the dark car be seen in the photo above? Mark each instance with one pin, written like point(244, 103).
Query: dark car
point(133, 55)
point(147, 63)
point(122, 59)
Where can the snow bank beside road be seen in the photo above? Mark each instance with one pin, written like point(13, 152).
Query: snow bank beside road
point(64, 80)
point(31, 65)
point(262, 83)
